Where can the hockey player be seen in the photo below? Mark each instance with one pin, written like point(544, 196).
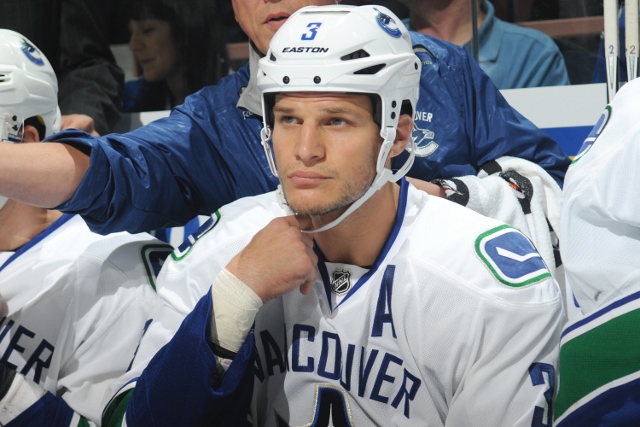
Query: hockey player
point(74, 303)
point(599, 371)
point(207, 153)
point(412, 310)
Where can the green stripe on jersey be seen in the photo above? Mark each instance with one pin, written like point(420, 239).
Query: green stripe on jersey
point(598, 357)
point(114, 414)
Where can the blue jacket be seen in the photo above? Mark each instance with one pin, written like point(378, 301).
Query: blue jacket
point(207, 153)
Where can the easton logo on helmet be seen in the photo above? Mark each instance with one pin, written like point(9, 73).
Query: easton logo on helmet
point(305, 49)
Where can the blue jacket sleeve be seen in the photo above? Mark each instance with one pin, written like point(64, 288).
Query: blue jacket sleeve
point(175, 389)
point(207, 153)
point(467, 122)
point(499, 130)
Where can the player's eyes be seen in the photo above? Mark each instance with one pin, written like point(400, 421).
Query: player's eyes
point(288, 120)
point(335, 121)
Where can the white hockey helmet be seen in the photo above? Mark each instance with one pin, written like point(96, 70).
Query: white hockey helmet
point(345, 49)
point(28, 87)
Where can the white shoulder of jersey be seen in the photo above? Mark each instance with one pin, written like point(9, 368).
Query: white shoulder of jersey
point(600, 214)
point(129, 254)
point(228, 231)
point(481, 254)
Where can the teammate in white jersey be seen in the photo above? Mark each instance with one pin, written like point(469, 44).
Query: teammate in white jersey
point(600, 353)
point(412, 310)
point(75, 303)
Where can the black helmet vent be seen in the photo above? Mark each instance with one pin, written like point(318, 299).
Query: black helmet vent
point(355, 55)
point(371, 70)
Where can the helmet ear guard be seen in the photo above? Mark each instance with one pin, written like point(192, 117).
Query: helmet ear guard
point(310, 53)
point(12, 129)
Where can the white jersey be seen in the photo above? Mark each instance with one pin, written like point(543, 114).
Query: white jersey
point(456, 323)
point(600, 225)
point(600, 235)
point(74, 307)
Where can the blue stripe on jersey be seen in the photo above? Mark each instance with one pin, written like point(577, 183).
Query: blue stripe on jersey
point(601, 312)
point(50, 229)
point(397, 225)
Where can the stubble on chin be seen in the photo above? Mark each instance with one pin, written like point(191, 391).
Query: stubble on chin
point(319, 206)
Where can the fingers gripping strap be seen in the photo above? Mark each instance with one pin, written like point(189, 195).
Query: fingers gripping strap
point(235, 306)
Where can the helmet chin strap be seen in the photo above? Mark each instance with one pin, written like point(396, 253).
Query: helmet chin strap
point(383, 175)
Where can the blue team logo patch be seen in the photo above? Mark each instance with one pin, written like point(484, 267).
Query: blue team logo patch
point(594, 134)
point(388, 24)
point(32, 53)
point(511, 257)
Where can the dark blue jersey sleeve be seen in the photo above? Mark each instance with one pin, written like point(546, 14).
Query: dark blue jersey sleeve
point(176, 387)
point(47, 411)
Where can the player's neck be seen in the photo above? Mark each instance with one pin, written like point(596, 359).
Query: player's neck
point(359, 238)
point(446, 20)
point(19, 223)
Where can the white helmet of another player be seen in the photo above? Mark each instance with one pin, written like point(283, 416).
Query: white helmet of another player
point(346, 49)
point(28, 87)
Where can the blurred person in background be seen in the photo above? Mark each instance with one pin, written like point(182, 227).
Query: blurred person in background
point(179, 47)
point(73, 34)
point(512, 55)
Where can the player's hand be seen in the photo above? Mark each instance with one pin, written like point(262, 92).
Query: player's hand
point(278, 259)
point(79, 121)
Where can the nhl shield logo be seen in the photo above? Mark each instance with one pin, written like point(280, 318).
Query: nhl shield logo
point(340, 281)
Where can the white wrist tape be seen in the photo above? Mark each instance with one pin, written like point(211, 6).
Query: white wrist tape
point(22, 394)
point(235, 306)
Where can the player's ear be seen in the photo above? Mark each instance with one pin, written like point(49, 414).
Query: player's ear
point(403, 133)
point(30, 134)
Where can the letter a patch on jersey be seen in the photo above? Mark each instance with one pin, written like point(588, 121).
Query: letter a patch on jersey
point(511, 257)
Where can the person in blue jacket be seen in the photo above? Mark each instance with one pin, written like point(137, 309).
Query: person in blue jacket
point(207, 153)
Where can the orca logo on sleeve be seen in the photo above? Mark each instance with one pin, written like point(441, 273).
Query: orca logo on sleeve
point(594, 134)
point(511, 257)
